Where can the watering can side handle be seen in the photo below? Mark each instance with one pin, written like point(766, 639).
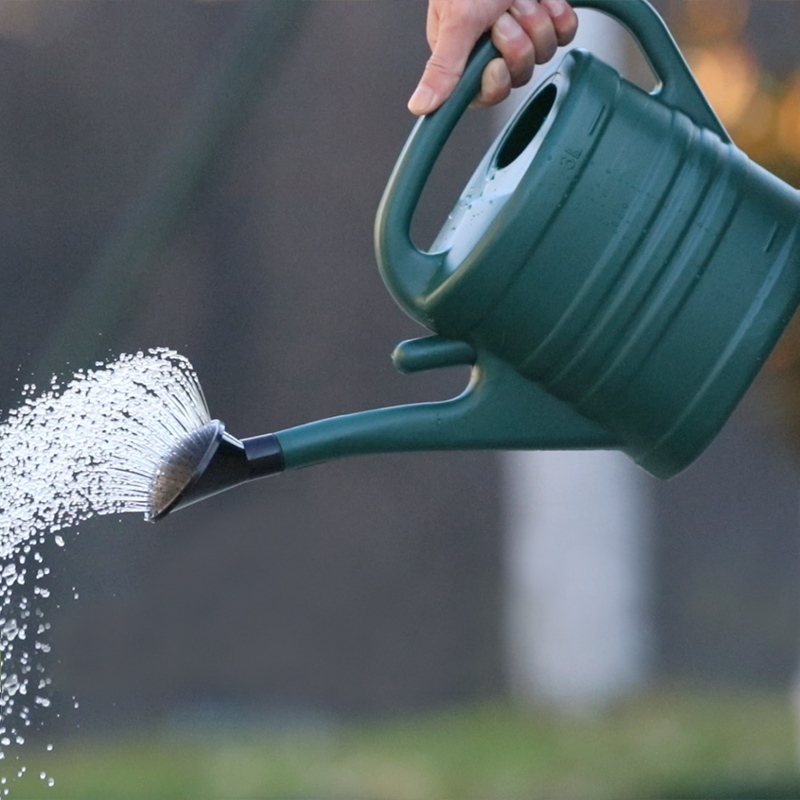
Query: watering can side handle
point(405, 269)
point(678, 88)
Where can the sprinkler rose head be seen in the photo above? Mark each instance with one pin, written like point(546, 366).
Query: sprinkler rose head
point(182, 468)
point(209, 461)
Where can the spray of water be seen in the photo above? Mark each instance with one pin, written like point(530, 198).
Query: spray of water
point(90, 447)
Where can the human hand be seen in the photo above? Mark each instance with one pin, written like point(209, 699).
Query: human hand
point(526, 32)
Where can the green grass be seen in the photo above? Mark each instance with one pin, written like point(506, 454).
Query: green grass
point(661, 744)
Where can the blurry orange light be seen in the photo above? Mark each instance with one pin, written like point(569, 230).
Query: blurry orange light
point(728, 76)
point(789, 120)
point(713, 20)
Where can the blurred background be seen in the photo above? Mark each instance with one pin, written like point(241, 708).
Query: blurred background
point(204, 176)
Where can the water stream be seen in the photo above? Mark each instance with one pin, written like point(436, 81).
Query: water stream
point(89, 447)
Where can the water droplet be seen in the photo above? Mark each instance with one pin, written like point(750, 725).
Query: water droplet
point(83, 448)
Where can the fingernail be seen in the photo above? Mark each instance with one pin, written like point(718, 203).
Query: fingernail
point(421, 101)
point(555, 7)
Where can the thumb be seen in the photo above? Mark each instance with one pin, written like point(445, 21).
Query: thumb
point(444, 68)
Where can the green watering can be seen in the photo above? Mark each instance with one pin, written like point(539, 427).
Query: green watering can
point(616, 272)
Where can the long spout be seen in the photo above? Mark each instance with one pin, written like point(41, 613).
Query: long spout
point(499, 410)
point(208, 462)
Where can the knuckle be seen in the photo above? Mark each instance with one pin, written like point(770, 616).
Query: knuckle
point(521, 77)
point(438, 67)
point(495, 84)
point(544, 41)
point(566, 30)
point(524, 50)
point(495, 95)
point(514, 44)
point(539, 28)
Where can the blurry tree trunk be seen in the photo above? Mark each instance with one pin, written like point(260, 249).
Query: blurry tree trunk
point(577, 576)
point(577, 622)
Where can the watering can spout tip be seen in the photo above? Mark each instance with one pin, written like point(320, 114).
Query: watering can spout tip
point(208, 461)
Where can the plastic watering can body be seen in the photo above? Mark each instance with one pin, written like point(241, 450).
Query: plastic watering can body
point(615, 273)
point(613, 249)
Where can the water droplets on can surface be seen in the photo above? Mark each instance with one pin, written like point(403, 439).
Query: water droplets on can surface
point(90, 447)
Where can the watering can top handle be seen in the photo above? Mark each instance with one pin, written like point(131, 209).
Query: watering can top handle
point(678, 87)
point(394, 247)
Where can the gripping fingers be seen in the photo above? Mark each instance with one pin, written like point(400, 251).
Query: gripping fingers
point(516, 47)
point(526, 32)
point(495, 85)
point(534, 18)
point(565, 21)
